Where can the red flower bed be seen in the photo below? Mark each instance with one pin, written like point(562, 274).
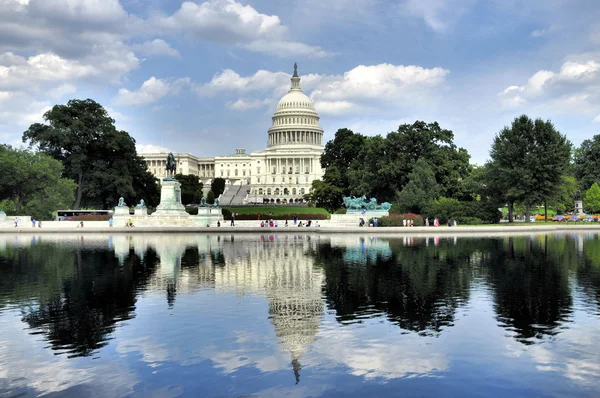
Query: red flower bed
point(289, 217)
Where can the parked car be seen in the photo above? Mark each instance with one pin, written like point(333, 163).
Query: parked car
point(588, 219)
point(559, 218)
point(574, 219)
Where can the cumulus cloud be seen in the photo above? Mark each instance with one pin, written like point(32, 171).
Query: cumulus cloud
point(151, 91)
point(242, 104)
point(439, 15)
point(141, 148)
point(228, 21)
point(576, 86)
point(156, 47)
point(362, 88)
point(18, 73)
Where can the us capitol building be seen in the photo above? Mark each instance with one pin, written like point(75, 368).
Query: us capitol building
point(281, 173)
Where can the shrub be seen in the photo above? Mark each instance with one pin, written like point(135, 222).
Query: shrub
point(445, 209)
point(343, 210)
point(192, 210)
point(468, 220)
point(226, 214)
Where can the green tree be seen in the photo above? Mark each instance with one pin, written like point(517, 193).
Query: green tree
point(210, 197)
point(591, 198)
point(101, 160)
point(33, 182)
point(339, 153)
point(528, 161)
point(586, 160)
point(325, 195)
point(562, 200)
point(382, 167)
point(191, 188)
point(420, 190)
point(217, 187)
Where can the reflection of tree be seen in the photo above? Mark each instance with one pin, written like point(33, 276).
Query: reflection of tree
point(419, 288)
point(588, 272)
point(97, 294)
point(530, 280)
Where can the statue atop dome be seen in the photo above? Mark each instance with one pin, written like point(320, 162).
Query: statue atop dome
point(295, 70)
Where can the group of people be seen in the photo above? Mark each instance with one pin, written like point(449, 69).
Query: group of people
point(274, 223)
point(436, 223)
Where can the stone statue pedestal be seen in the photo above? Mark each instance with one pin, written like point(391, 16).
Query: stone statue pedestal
point(578, 207)
point(122, 211)
point(141, 211)
point(170, 200)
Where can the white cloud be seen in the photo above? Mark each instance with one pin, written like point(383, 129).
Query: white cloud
point(575, 86)
point(437, 14)
point(62, 90)
point(245, 104)
point(156, 47)
point(228, 21)
point(151, 91)
point(363, 88)
point(231, 81)
point(286, 49)
point(538, 33)
point(597, 119)
point(141, 148)
point(21, 73)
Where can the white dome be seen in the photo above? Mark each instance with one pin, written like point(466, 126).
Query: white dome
point(295, 122)
point(295, 99)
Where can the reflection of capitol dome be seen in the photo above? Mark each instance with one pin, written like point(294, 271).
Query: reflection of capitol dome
point(291, 283)
point(295, 122)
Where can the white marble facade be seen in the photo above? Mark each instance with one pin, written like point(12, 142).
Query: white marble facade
point(282, 172)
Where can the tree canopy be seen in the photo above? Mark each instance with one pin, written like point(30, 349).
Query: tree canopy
point(217, 187)
point(380, 166)
point(420, 189)
point(191, 188)
point(528, 161)
point(587, 163)
point(591, 198)
point(101, 160)
point(32, 183)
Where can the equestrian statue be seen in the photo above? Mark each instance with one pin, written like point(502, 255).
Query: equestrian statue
point(171, 166)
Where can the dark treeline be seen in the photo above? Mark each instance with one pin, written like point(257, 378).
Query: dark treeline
point(419, 169)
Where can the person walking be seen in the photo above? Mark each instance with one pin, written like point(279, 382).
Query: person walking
point(427, 222)
point(295, 219)
point(33, 223)
point(110, 222)
point(16, 222)
point(455, 223)
point(233, 219)
point(404, 222)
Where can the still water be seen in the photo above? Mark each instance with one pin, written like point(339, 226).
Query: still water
point(299, 315)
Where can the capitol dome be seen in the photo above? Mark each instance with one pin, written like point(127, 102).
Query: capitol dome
point(295, 121)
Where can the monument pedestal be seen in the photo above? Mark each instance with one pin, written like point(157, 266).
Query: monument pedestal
point(141, 211)
point(122, 211)
point(170, 200)
point(578, 207)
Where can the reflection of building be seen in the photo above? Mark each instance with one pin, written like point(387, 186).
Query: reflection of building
point(279, 266)
point(283, 172)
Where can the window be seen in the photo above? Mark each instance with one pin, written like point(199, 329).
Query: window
point(244, 172)
point(268, 191)
point(286, 191)
point(258, 170)
point(236, 172)
point(258, 179)
point(276, 191)
point(294, 191)
point(274, 170)
point(260, 191)
point(273, 180)
point(297, 180)
point(221, 173)
point(301, 191)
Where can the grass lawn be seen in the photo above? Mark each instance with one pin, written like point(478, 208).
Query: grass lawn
point(276, 210)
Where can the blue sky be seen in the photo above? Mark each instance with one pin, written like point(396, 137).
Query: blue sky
point(204, 77)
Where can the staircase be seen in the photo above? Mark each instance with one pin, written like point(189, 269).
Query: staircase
point(240, 195)
point(234, 195)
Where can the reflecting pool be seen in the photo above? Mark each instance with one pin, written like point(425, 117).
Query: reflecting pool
point(303, 315)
